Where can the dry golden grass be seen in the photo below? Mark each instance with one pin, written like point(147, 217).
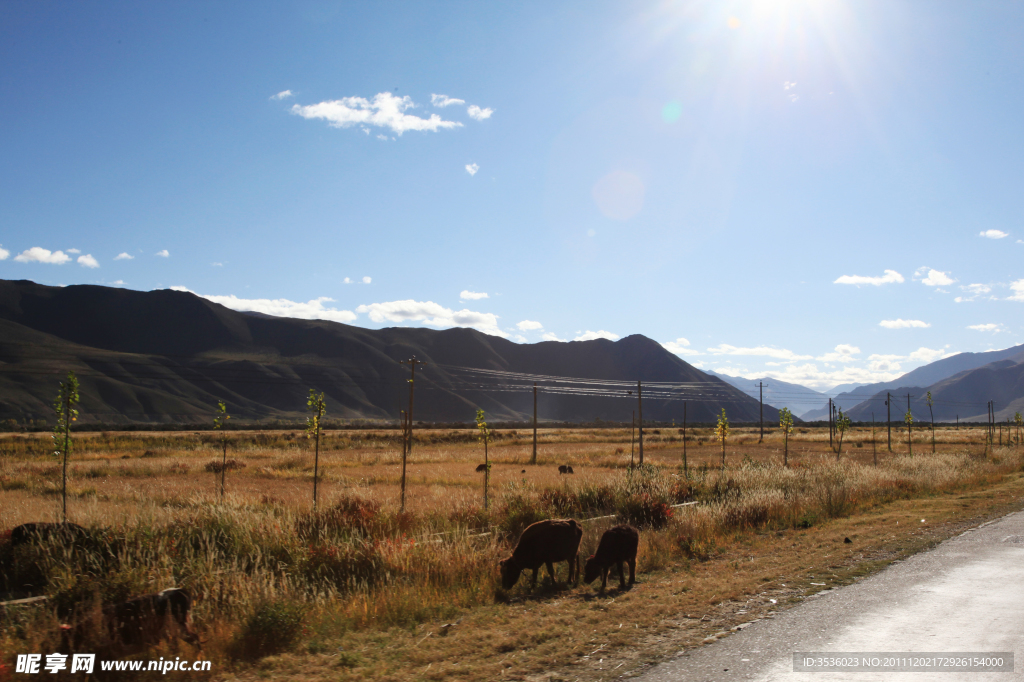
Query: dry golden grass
point(373, 587)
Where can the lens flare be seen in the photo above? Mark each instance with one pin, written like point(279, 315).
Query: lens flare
point(619, 195)
point(671, 112)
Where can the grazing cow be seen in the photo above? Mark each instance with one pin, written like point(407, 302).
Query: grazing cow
point(565, 469)
point(481, 468)
point(141, 622)
point(617, 545)
point(38, 532)
point(544, 543)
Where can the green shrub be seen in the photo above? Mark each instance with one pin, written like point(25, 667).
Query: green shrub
point(273, 627)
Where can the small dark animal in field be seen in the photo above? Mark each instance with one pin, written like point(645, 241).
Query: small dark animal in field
point(140, 622)
point(38, 532)
point(617, 545)
point(481, 468)
point(565, 469)
point(523, 471)
point(544, 543)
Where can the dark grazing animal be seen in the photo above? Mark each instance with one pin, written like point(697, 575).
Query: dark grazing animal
point(481, 467)
point(39, 532)
point(140, 622)
point(617, 545)
point(565, 469)
point(544, 543)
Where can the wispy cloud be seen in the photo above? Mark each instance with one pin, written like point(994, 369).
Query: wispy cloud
point(88, 261)
point(974, 290)
point(477, 113)
point(348, 280)
point(550, 336)
point(890, 277)
point(284, 94)
point(993, 234)
point(124, 255)
point(680, 346)
point(529, 325)
point(1017, 288)
point(472, 168)
point(217, 265)
point(779, 353)
point(281, 307)
point(442, 101)
point(383, 111)
point(367, 280)
point(933, 278)
point(601, 334)
point(468, 295)
point(432, 314)
point(842, 353)
point(986, 327)
point(900, 323)
point(75, 251)
point(38, 254)
point(164, 253)
point(4, 253)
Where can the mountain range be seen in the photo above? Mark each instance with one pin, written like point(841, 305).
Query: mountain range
point(777, 393)
point(169, 357)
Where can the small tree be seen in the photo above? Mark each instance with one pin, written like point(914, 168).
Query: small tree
point(66, 407)
point(786, 424)
point(908, 418)
point(485, 438)
point(722, 433)
point(316, 407)
point(931, 417)
point(842, 425)
point(219, 423)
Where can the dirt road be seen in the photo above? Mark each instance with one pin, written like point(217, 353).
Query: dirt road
point(966, 595)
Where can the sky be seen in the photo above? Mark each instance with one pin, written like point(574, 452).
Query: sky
point(817, 191)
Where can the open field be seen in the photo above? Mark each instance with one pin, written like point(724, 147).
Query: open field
point(358, 590)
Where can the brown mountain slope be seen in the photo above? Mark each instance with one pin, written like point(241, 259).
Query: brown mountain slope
point(168, 356)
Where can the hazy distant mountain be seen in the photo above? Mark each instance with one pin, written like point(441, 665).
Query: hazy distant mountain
point(169, 356)
point(777, 393)
point(925, 376)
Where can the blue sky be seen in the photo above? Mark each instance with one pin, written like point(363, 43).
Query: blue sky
point(823, 192)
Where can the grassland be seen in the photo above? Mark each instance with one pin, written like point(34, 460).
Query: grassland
point(358, 590)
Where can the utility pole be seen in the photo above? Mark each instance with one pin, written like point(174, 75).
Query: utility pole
point(760, 386)
point(686, 473)
point(640, 409)
point(632, 437)
point(412, 362)
point(888, 419)
point(910, 439)
point(405, 449)
point(830, 423)
point(874, 450)
point(533, 460)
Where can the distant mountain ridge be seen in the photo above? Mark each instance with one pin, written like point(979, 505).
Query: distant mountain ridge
point(777, 393)
point(169, 356)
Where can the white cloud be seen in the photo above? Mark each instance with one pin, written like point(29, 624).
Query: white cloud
point(4, 253)
point(124, 256)
point(548, 336)
point(884, 363)
point(468, 295)
point(479, 114)
point(680, 346)
point(779, 353)
point(117, 283)
point(842, 353)
point(601, 334)
point(519, 338)
point(974, 290)
point(164, 253)
point(37, 254)
point(529, 325)
point(900, 323)
point(927, 355)
point(88, 261)
point(993, 234)
point(442, 101)
point(890, 277)
point(472, 168)
point(367, 280)
point(384, 111)
point(933, 278)
point(217, 265)
point(75, 251)
point(348, 280)
point(1018, 290)
point(432, 314)
point(281, 307)
point(284, 94)
point(995, 328)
